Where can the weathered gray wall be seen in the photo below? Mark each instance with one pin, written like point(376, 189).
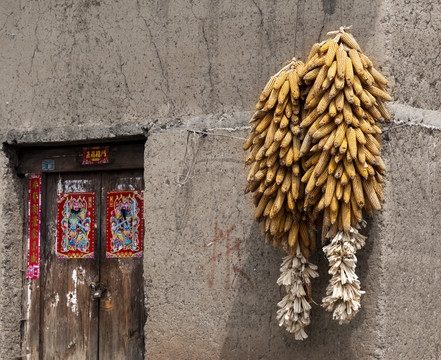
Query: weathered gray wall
point(78, 70)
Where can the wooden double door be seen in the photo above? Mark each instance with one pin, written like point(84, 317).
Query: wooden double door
point(90, 308)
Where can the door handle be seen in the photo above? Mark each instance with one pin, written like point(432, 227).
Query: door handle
point(97, 290)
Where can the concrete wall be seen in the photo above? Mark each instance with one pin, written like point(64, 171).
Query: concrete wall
point(79, 70)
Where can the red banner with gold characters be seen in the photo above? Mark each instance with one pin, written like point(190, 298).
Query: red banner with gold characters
point(95, 155)
point(34, 216)
point(124, 224)
point(76, 225)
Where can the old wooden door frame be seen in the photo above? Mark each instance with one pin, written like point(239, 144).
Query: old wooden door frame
point(124, 155)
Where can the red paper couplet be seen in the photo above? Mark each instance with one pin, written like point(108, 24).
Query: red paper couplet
point(76, 225)
point(34, 216)
point(124, 224)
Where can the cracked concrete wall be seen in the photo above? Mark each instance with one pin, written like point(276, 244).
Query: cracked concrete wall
point(90, 69)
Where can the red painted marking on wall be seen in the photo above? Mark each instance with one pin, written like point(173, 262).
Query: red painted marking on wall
point(244, 274)
point(223, 238)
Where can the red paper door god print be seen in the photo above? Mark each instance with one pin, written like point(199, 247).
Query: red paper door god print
point(75, 225)
point(124, 232)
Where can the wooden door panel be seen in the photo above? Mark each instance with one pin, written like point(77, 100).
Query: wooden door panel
point(69, 314)
point(122, 315)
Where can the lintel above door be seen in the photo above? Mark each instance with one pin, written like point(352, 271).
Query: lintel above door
point(122, 155)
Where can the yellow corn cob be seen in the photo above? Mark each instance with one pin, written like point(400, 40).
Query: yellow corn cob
point(360, 136)
point(352, 142)
point(307, 174)
point(359, 113)
point(332, 165)
point(349, 168)
point(311, 75)
point(289, 157)
point(321, 163)
point(268, 207)
point(306, 145)
point(357, 190)
point(315, 48)
point(372, 144)
point(356, 209)
point(349, 40)
point(330, 54)
point(293, 234)
point(280, 80)
point(380, 164)
point(333, 91)
point(347, 112)
point(349, 94)
point(332, 71)
point(281, 171)
point(367, 78)
point(278, 202)
point(260, 174)
point(271, 174)
point(347, 193)
point(340, 134)
point(379, 177)
point(272, 100)
point(287, 139)
point(344, 178)
point(383, 111)
point(362, 168)
point(311, 182)
point(377, 92)
point(343, 146)
point(357, 86)
point(324, 130)
point(339, 83)
point(377, 187)
point(312, 160)
point(283, 92)
point(267, 89)
point(329, 190)
point(349, 72)
point(280, 134)
point(366, 127)
point(295, 186)
point(309, 119)
point(330, 142)
point(324, 48)
point(378, 77)
point(304, 236)
point(280, 108)
point(325, 119)
point(324, 102)
point(293, 80)
point(341, 58)
point(339, 170)
point(356, 61)
point(260, 105)
point(371, 194)
point(365, 98)
point(366, 61)
point(339, 101)
point(296, 148)
point(290, 202)
point(261, 207)
point(346, 216)
point(334, 209)
point(286, 184)
point(322, 178)
point(275, 222)
point(326, 84)
point(332, 109)
point(375, 113)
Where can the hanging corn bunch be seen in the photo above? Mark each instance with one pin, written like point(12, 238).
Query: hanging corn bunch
point(275, 179)
point(315, 160)
point(344, 104)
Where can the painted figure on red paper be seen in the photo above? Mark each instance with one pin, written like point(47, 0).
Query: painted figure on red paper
point(124, 224)
point(75, 225)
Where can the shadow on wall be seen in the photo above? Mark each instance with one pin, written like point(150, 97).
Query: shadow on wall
point(252, 327)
